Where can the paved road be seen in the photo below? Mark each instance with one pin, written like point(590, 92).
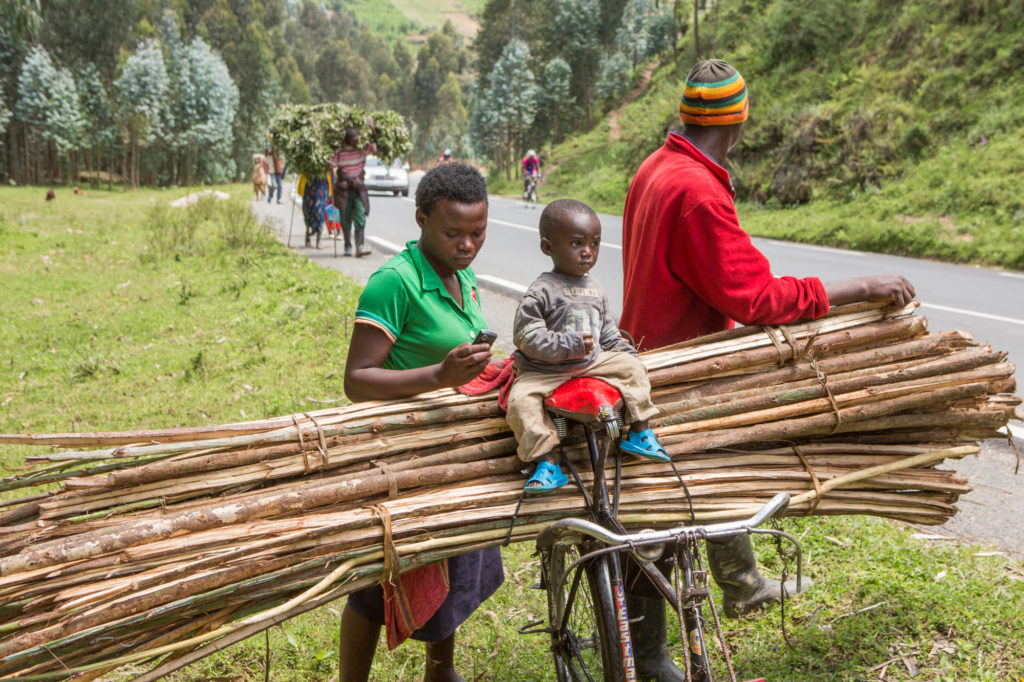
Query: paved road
point(987, 302)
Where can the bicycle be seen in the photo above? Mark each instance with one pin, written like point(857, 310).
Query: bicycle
point(530, 191)
point(581, 570)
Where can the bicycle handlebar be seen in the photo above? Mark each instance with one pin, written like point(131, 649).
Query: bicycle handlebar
point(565, 526)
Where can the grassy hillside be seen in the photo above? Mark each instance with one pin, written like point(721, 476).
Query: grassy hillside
point(411, 17)
point(878, 125)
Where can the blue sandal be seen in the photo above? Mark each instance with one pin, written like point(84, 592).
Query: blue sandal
point(548, 477)
point(645, 444)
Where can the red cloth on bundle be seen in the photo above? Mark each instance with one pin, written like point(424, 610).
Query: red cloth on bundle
point(497, 375)
point(413, 598)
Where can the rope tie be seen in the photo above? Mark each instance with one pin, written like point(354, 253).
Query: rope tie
point(823, 380)
point(322, 444)
point(302, 446)
point(806, 352)
point(392, 560)
point(819, 492)
point(770, 331)
point(389, 473)
point(791, 340)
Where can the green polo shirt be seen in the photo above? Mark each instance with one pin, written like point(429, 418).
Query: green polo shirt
point(407, 301)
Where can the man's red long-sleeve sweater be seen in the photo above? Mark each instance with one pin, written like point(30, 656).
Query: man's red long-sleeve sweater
point(689, 268)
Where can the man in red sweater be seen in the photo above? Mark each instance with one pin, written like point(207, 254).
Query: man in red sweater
point(691, 270)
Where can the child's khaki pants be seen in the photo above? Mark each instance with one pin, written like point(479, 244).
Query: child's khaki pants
point(530, 421)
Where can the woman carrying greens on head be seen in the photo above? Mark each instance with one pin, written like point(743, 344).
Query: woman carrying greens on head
point(414, 326)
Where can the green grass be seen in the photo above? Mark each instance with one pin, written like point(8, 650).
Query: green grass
point(121, 313)
point(383, 17)
point(400, 18)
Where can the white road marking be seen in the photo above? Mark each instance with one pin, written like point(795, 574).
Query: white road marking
point(605, 245)
point(1015, 431)
point(515, 286)
point(384, 243)
point(972, 313)
point(811, 247)
point(1016, 275)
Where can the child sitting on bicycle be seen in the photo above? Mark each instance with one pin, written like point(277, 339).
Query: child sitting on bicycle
point(563, 329)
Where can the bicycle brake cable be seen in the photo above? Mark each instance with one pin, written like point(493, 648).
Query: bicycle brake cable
point(785, 558)
point(689, 498)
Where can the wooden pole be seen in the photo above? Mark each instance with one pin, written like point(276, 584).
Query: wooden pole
point(291, 221)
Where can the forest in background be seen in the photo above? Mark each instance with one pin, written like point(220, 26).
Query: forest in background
point(161, 92)
point(905, 111)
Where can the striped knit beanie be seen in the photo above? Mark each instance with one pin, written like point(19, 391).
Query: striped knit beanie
point(715, 95)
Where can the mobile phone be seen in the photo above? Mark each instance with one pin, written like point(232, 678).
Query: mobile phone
point(485, 336)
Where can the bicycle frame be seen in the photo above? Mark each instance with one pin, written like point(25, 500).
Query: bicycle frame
point(612, 543)
point(588, 619)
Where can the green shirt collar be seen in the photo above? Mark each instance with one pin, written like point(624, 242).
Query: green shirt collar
point(430, 280)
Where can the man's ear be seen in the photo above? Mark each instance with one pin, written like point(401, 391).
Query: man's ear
point(421, 218)
point(545, 246)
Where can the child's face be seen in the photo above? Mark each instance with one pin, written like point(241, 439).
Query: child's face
point(574, 244)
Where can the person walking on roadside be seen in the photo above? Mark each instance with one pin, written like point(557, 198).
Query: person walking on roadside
point(350, 194)
point(689, 269)
point(316, 195)
point(276, 173)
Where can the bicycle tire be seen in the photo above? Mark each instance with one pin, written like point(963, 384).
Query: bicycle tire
point(581, 612)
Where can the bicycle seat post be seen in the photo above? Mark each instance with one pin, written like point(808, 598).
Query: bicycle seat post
point(599, 449)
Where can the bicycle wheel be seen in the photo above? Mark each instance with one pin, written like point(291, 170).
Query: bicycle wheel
point(581, 612)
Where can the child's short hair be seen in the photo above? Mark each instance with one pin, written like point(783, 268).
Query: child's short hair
point(454, 181)
point(554, 214)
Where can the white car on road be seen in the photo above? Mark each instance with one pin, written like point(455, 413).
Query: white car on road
point(393, 178)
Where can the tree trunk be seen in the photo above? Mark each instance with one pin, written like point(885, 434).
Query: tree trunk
point(696, 32)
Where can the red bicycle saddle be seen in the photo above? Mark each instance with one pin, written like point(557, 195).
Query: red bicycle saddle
point(584, 399)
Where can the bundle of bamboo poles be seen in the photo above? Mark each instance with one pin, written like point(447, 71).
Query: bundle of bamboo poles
point(171, 544)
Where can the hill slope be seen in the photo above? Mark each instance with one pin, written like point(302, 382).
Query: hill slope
point(411, 17)
point(887, 126)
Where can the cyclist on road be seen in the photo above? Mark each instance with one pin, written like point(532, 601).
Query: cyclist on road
point(531, 169)
point(445, 157)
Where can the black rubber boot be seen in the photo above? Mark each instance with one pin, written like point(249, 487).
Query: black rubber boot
point(361, 248)
point(653, 661)
point(744, 589)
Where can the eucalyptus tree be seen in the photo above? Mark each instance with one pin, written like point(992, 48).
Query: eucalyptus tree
point(510, 101)
point(65, 122)
point(577, 31)
point(97, 109)
point(200, 113)
point(555, 101)
point(32, 108)
point(615, 79)
point(141, 91)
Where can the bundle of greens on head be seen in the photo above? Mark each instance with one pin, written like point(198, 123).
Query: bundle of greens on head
point(308, 135)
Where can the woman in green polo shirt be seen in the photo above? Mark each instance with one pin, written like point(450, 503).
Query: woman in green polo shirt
point(414, 325)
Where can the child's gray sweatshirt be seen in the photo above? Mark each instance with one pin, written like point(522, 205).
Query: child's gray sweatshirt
point(553, 316)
